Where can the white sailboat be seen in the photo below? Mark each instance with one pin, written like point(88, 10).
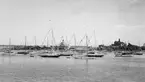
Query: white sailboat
point(9, 52)
point(52, 53)
point(138, 52)
point(92, 53)
point(35, 51)
point(24, 52)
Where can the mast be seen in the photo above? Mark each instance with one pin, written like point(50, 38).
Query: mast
point(95, 38)
point(9, 46)
point(25, 42)
point(87, 43)
point(67, 41)
point(82, 39)
point(53, 36)
point(75, 39)
point(35, 40)
point(46, 37)
point(87, 48)
point(53, 39)
point(35, 44)
point(9, 50)
point(47, 42)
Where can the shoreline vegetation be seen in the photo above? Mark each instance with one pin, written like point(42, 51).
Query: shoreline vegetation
point(116, 46)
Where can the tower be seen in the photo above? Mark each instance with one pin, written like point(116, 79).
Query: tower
point(119, 40)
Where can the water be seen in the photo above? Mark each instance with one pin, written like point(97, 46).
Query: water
point(106, 69)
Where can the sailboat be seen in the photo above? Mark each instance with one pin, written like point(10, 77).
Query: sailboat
point(52, 53)
point(89, 53)
point(34, 52)
point(138, 52)
point(9, 52)
point(92, 53)
point(24, 52)
point(123, 54)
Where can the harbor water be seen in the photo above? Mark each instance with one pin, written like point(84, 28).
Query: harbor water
point(106, 69)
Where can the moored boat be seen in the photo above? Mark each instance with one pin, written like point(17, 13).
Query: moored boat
point(8, 53)
point(94, 54)
point(67, 53)
point(138, 53)
point(23, 52)
point(50, 55)
point(123, 54)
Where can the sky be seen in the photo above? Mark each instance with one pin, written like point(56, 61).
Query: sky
point(107, 20)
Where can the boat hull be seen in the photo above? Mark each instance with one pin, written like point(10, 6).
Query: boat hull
point(123, 55)
point(66, 54)
point(138, 53)
point(95, 55)
point(50, 56)
point(23, 53)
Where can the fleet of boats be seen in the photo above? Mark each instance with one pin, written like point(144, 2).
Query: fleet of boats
point(86, 53)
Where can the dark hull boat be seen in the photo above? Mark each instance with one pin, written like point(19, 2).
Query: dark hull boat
point(95, 55)
point(23, 53)
point(66, 54)
point(126, 53)
point(50, 56)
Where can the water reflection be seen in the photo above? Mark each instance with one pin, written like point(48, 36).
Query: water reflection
point(64, 70)
point(87, 65)
point(2, 60)
point(10, 60)
point(5, 60)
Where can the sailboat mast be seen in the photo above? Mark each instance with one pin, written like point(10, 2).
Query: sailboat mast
point(53, 39)
point(47, 42)
point(45, 37)
point(66, 40)
point(53, 36)
point(95, 38)
point(87, 43)
point(25, 42)
point(9, 46)
point(75, 39)
point(35, 40)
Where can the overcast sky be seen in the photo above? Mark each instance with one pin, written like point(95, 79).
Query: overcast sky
point(111, 19)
